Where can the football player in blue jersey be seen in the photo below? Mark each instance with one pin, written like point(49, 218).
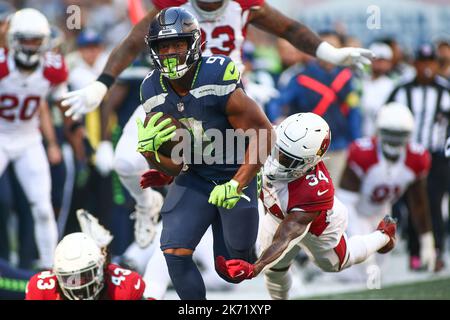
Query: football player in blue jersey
point(204, 93)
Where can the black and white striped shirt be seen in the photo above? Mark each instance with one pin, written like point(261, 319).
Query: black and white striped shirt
point(430, 105)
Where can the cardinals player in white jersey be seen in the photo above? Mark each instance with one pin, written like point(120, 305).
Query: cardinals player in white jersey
point(303, 212)
point(223, 23)
point(381, 169)
point(27, 75)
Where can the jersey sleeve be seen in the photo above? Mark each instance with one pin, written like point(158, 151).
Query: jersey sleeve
point(313, 192)
point(124, 284)
point(4, 70)
point(227, 79)
point(42, 286)
point(162, 4)
point(418, 159)
point(361, 156)
point(55, 69)
point(149, 96)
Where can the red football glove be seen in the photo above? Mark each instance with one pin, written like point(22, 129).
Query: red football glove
point(154, 178)
point(235, 269)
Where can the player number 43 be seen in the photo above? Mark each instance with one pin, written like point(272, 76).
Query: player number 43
point(44, 283)
point(120, 275)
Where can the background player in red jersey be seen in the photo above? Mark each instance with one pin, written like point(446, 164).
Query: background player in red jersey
point(82, 270)
point(381, 169)
point(303, 212)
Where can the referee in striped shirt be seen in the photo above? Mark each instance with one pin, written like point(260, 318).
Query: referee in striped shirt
point(428, 97)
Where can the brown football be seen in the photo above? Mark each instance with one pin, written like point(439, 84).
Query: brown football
point(166, 147)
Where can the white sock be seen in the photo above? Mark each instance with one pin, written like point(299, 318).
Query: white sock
point(278, 284)
point(156, 276)
point(46, 234)
point(362, 246)
point(140, 257)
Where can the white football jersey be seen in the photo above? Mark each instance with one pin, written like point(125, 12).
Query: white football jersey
point(383, 182)
point(21, 93)
point(225, 35)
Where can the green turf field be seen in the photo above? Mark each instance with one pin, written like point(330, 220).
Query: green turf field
point(425, 290)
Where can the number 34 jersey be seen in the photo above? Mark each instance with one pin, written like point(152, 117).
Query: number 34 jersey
point(225, 35)
point(21, 93)
point(311, 192)
point(121, 284)
point(383, 182)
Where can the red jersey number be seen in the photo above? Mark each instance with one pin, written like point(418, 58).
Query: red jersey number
point(28, 107)
point(383, 192)
point(227, 45)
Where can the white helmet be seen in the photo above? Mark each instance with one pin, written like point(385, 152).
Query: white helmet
point(395, 123)
point(79, 266)
point(28, 36)
point(302, 140)
point(210, 15)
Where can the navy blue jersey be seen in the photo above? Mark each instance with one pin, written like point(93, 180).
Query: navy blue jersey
point(204, 108)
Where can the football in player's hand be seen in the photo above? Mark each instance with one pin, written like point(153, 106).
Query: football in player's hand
point(166, 148)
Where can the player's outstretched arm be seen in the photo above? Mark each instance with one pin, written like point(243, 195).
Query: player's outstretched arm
point(82, 101)
point(271, 20)
point(289, 233)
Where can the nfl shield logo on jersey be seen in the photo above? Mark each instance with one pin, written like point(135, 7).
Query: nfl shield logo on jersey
point(180, 106)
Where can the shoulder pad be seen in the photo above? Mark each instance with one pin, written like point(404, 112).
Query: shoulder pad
point(55, 69)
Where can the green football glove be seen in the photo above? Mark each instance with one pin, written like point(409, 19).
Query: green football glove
point(151, 137)
point(226, 195)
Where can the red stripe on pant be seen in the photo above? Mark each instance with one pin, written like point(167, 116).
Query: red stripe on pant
point(341, 251)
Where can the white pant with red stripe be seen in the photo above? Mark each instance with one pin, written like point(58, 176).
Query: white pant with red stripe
point(325, 243)
point(328, 249)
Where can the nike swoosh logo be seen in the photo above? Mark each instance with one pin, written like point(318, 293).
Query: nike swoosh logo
point(137, 285)
point(240, 274)
point(233, 70)
point(319, 193)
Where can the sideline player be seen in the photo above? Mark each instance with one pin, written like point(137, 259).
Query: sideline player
point(381, 169)
point(303, 212)
point(28, 73)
